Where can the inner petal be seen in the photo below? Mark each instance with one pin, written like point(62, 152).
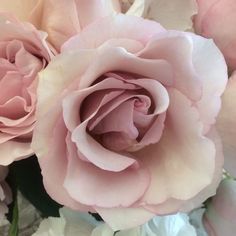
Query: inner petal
point(12, 86)
point(118, 120)
point(14, 108)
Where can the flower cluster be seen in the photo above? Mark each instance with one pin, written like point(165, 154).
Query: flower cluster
point(127, 107)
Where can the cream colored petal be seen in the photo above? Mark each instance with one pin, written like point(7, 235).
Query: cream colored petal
point(20, 8)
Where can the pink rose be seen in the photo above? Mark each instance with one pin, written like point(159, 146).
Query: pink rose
point(125, 121)
point(61, 19)
point(220, 216)
point(23, 53)
point(216, 19)
point(226, 124)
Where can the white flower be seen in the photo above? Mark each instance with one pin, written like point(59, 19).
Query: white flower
point(172, 225)
point(71, 223)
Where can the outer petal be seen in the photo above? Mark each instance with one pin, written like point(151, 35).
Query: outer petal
point(20, 8)
point(211, 68)
point(226, 124)
point(95, 187)
point(113, 27)
point(54, 166)
point(179, 149)
point(12, 150)
point(217, 22)
point(124, 218)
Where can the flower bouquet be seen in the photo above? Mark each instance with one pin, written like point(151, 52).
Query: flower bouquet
point(117, 117)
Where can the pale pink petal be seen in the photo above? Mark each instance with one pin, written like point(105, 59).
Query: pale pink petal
point(47, 16)
point(218, 23)
point(203, 8)
point(54, 165)
point(211, 68)
point(95, 187)
point(118, 59)
point(226, 125)
point(124, 218)
point(26, 62)
point(49, 90)
point(120, 119)
point(14, 150)
point(183, 133)
point(177, 49)
point(97, 154)
point(135, 28)
point(12, 82)
point(25, 33)
point(171, 14)
point(13, 109)
point(20, 8)
point(175, 205)
point(89, 12)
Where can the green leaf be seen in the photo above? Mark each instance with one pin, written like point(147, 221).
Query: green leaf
point(13, 231)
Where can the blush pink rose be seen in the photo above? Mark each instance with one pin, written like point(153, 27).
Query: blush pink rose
point(216, 19)
point(23, 53)
point(125, 121)
point(220, 216)
point(61, 19)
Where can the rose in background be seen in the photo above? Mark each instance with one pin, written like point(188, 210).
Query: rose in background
point(126, 121)
point(47, 14)
point(216, 19)
point(220, 216)
point(5, 195)
point(170, 14)
point(23, 53)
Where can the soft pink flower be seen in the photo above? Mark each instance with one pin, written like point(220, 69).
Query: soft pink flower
point(226, 124)
point(23, 53)
point(216, 19)
point(220, 216)
point(61, 19)
point(5, 193)
point(126, 121)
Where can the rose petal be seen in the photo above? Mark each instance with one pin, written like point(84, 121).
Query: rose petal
point(20, 8)
point(101, 188)
point(135, 28)
point(9, 154)
point(54, 166)
point(187, 145)
point(124, 218)
point(210, 65)
point(176, 48)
